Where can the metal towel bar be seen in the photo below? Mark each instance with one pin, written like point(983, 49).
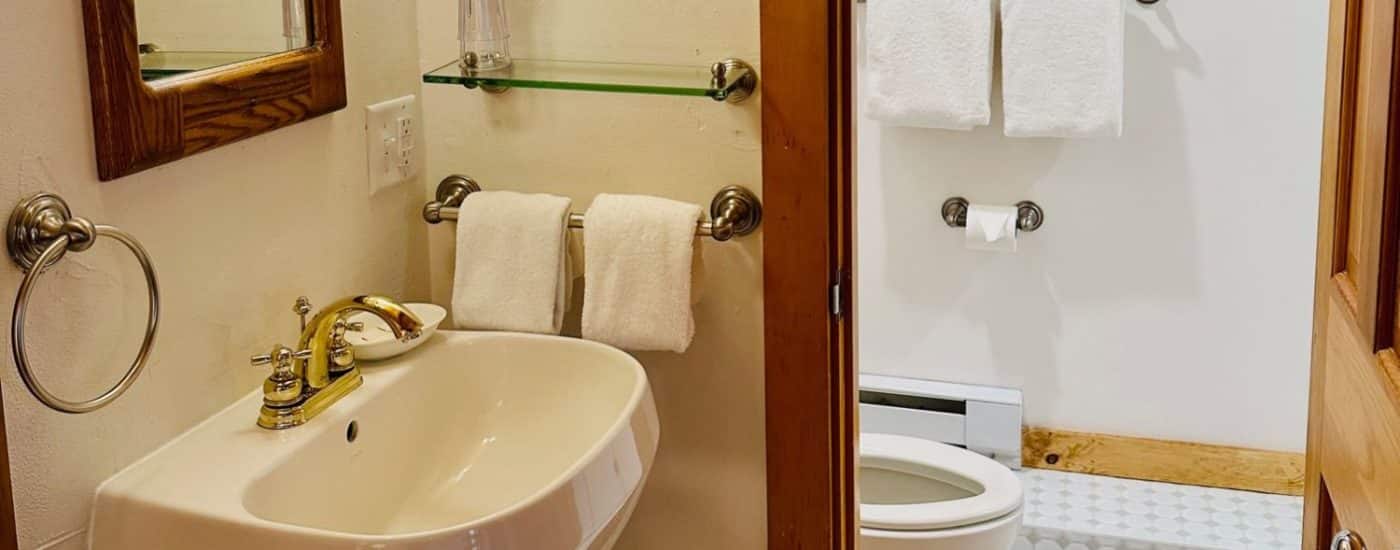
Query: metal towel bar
point(736, 211)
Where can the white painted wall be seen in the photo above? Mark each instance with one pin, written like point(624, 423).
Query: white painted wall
point(236, 234)
point(707, 488)
point(1169, 294)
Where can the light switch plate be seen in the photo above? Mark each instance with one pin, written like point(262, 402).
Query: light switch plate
point(391, 142)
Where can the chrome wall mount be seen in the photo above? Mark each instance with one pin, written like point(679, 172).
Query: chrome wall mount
point(40, 231)
point(735, 211)
point(1030, 216)
point(741, 88)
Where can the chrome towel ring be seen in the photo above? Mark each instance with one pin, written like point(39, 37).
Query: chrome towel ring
point(40, 231)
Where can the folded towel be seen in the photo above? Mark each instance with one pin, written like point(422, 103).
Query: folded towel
point(512, 266)
point(1062, 67)
point(930, 62)
point(639, 255)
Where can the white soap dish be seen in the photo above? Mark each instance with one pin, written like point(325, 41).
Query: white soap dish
point(376, 342)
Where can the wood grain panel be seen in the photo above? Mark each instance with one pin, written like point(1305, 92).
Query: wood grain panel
point(1360, 435)
point(139, 125)
point(809, 371)
point(1168, 461)
point(1369, 232)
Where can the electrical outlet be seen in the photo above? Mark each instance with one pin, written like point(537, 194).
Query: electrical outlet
point(391, 142)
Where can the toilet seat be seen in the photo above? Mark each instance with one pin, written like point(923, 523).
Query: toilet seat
point(1000, 489)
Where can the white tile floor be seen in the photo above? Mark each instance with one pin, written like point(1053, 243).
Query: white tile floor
point(1065, 511)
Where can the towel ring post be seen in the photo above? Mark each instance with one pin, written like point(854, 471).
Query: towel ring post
point(734, 212)
point(40, 231)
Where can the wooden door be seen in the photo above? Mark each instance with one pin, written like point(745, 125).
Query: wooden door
point(1353, 479)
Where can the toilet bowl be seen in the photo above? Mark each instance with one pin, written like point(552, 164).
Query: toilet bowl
point(918, 494)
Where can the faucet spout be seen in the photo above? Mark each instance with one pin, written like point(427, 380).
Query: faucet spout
point(317, 336)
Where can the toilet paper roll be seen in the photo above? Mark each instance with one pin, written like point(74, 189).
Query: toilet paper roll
point(991, 228)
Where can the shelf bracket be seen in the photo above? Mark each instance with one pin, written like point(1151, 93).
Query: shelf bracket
point(742, 89)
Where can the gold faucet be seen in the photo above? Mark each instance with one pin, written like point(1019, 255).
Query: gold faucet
point(308, 380)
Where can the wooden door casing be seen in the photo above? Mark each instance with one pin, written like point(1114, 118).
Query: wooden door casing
point(807, 239)
point(1353, 464)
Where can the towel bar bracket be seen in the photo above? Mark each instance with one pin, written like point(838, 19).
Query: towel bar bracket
point(734, 212)
point(450, 193)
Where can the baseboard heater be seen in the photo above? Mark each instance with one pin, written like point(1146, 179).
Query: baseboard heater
point(982, 419)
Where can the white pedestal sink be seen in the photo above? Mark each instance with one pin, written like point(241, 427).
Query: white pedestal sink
point(484, 441)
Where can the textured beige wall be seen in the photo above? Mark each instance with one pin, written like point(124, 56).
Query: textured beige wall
point(237, 234)
point(708, 486)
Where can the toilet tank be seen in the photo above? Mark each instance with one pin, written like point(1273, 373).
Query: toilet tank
point(982, 419)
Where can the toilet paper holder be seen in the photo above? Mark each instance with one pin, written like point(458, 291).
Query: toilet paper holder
point(1029, 216)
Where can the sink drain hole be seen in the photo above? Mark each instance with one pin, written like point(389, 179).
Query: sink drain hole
point(352, 431)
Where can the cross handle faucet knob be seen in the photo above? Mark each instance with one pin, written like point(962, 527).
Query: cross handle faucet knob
point(280, 358)
point(302, 308)
point(284, 387)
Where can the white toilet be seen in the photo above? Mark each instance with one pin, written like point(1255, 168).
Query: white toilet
point(917, 493)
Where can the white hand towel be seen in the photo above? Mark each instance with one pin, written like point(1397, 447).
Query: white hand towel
point(512, 265)
point(638, 258)
point(1062, 67)
point(930, 62)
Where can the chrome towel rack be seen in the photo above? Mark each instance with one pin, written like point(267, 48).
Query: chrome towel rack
point(41, 230)
point(735, 210)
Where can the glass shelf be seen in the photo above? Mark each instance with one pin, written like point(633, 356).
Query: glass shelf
point(736, 82)
point(161, 64)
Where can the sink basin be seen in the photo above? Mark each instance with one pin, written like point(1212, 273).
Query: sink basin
point(488, 441)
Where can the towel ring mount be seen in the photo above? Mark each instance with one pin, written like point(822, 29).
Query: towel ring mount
point(40, 231)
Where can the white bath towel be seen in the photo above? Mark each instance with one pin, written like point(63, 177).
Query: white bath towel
point(638, 258)
point(1062, 67)
point(930, 62)
point(512, 266)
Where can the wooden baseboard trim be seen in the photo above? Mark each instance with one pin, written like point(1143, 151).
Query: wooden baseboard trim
point(1159, 460)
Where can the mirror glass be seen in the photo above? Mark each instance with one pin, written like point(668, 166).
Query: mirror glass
point(180, 36)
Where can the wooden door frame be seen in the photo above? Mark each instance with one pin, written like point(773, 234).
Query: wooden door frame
point(807, 273)
point(9, 531)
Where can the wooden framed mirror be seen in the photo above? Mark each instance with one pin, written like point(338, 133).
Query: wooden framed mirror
point(172, 90)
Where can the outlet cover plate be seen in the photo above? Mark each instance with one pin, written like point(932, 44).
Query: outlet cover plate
point(391, 129)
